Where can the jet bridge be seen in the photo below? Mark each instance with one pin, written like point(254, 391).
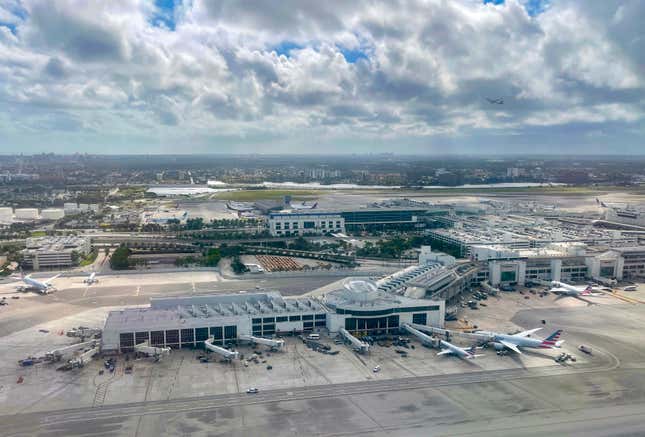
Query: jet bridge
point(84, 358)
point(424, 338)
point(225, 353)
point(357, 344)
point(151, 351)
point(447, 334)
point(273, 344)
point(57, 354)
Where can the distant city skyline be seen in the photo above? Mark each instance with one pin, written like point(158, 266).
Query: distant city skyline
point(334, 77)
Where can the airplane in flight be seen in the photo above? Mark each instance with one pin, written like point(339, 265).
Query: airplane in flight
point(466, 353)
point(497, 101)
point(514, 342)
point(42, 287)
point(91, 279)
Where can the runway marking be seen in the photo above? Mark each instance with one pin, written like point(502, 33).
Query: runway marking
point(138, 290)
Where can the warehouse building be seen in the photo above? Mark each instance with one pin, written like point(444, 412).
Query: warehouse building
point(54, 252)
point(188, 321)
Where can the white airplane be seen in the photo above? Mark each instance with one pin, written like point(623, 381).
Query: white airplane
point(91, 279)
point(42, 287)
point(500, 341)
point(467, 353)
point(515, 341)
point(571, 290)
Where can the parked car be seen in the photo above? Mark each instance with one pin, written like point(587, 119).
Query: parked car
point(252, 390)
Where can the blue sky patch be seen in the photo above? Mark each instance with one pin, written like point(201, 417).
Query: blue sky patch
point(285, 47)
point(533, 7)
point(352, 56)
point(165, 15)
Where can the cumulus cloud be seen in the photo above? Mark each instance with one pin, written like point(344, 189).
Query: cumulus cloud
point(384, 72)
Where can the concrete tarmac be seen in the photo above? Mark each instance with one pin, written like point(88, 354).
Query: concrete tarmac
point(603, 396)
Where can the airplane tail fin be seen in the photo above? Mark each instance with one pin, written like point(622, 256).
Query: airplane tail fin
point(552, 340)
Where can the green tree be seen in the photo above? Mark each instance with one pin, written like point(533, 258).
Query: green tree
point(119, 259)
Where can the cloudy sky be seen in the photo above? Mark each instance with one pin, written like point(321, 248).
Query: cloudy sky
point(333, 76)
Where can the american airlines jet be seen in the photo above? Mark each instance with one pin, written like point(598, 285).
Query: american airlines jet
point(571, 290)
point(42, 287)
point(466, 353)
point(521, 340)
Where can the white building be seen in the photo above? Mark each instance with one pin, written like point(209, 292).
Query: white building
point(6, 214)
point(51, 252)
point(567, 262)
point(26, 213)
point(52, 214)
point(189, 321)
point(305, 223)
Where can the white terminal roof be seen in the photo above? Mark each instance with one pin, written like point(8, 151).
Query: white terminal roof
point(363, 294)
point(222, 309)
point(494, 229)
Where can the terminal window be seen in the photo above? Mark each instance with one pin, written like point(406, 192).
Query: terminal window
point(308, 225)
point(508, 277)
point(420, 318)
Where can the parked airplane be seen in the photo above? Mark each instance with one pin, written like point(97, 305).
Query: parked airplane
point(91, 279)
point(571, 290)
point(521, 340)
point(502, 341)
point(303, 205)
point(42, 287)
point(467, 353)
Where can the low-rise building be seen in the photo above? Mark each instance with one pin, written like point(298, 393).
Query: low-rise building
point(54, 252)
point(188, 321)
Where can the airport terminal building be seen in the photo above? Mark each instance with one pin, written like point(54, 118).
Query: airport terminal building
point(178, 322)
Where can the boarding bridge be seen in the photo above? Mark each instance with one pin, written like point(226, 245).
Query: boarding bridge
point(273, 344)
point(151, 351)
point(444, 332)
point(84, 358)
point(360, 346)
point(424, 338)
point(490, 289)
point(225, 353)
point(57, 354)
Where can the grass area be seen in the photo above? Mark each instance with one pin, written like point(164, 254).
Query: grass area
point(252, 195)
point(89, 259)
point(38, 233)
point(547, 191)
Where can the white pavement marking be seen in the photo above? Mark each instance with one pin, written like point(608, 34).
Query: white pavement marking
point(85, 292)
point(138, 290)
point(193, 286)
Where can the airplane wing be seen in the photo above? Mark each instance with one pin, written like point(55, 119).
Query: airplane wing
point(527, 333)
point(510, 346)
point(445, 352)
point(51, 279)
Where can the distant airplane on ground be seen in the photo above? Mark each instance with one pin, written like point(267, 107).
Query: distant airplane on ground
point(521, 340)
point(501, 341)
point(563, 289)
point(498, 101)
point(303, 205)
point(466, 353)
point(91, 279)
point(42, 287)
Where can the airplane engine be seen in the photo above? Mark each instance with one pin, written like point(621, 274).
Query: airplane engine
point(498, 346)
